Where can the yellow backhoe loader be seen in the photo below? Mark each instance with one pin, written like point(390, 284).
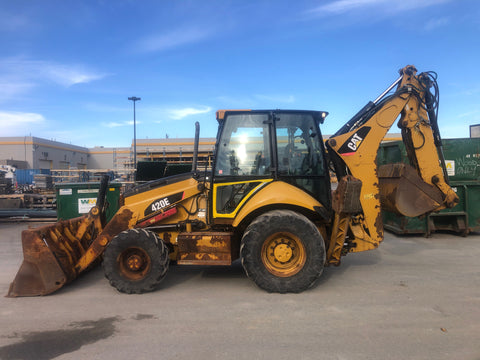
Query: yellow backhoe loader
point(267, 200)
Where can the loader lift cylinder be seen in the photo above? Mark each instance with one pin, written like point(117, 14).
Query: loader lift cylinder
point(102, 194)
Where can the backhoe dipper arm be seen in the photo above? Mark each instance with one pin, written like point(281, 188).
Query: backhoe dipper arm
point(353, 149)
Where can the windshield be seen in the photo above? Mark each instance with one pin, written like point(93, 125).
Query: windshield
point(244, 146)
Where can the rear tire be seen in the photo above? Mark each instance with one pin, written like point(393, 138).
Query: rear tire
point(135, 261)
point(282, 251)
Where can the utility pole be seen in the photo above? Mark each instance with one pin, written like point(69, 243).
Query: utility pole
point(134, 99)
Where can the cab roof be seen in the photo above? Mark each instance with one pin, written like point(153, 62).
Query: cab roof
point(221, 114)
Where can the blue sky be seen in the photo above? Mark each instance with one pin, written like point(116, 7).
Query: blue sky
point(68, 67)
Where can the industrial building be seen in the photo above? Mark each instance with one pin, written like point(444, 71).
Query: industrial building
point(31, 152)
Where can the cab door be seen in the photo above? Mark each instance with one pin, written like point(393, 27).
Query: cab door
point(301, 159)
point(255, 148)
point(243, 161)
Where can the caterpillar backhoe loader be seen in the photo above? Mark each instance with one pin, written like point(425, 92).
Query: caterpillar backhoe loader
point(267, 200)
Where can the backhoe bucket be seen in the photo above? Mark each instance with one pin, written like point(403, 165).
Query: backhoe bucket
point(404, 192)
point(50, 254)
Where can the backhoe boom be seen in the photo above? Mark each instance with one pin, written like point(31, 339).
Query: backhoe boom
point(411, 190)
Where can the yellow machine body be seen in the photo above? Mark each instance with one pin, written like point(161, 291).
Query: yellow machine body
point(267, 200)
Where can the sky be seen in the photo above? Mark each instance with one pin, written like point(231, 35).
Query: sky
point(67, 68)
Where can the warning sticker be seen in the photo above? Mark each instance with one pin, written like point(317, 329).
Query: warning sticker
point(450, 165)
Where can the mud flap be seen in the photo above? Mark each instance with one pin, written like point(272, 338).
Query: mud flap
point(404, 192)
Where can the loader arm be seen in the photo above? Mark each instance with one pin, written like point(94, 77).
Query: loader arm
point(412, 190)
point(55, 255)
point(144, 207)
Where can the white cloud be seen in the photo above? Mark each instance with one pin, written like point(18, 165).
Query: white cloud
point(343, 6)
point(12, 89)
point(436, 23)
point(178, 114)
point(21, 71)
point(19, 76)
point(160, 42)
point(114, 124)
point(381, 7)
point(19, 123)
point(470, 114)
point(7, 118)
point(67, 75)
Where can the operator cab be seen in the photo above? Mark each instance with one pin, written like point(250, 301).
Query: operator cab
point(257, 147)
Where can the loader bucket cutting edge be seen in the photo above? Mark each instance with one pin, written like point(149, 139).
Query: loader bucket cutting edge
point(403, 191)
point(40, 273)
point(50, 254)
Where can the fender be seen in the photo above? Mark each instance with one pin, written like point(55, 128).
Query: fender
point(276, 193)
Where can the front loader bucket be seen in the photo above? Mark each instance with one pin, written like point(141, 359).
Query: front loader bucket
point(56, 254)
point(50, 254)
point(40, 273)
point(403, 191)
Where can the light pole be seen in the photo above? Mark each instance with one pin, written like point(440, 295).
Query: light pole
point(134, 99)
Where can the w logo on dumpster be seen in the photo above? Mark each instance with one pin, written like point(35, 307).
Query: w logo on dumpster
point(84, 205)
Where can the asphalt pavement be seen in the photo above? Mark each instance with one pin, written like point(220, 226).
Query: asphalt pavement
point(413, 298)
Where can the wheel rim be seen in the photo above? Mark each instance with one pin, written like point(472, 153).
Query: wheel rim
point(134, 263)
point(283, 254)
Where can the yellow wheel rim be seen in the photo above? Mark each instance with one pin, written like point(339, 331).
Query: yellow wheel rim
point(283, 254)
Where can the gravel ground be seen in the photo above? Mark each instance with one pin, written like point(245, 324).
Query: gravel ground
point(413, 298)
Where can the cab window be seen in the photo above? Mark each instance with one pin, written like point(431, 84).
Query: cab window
point(243, 148)
point(299, 146)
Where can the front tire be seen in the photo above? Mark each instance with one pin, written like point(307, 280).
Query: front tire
point(135, 261)
point(282, 251)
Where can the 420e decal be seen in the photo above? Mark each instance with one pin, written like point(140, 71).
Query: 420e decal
point(162, 203)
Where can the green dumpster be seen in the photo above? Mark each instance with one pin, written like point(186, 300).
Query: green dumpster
point(462, 157)
point(463, 218)
point(76, 199)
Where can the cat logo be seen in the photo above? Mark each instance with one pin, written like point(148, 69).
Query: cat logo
point(353, 143)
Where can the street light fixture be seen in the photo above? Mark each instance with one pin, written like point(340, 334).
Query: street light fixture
point(134, 99)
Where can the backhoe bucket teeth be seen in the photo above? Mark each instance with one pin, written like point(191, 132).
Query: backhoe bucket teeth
point(50, 254)
point(403, 191)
